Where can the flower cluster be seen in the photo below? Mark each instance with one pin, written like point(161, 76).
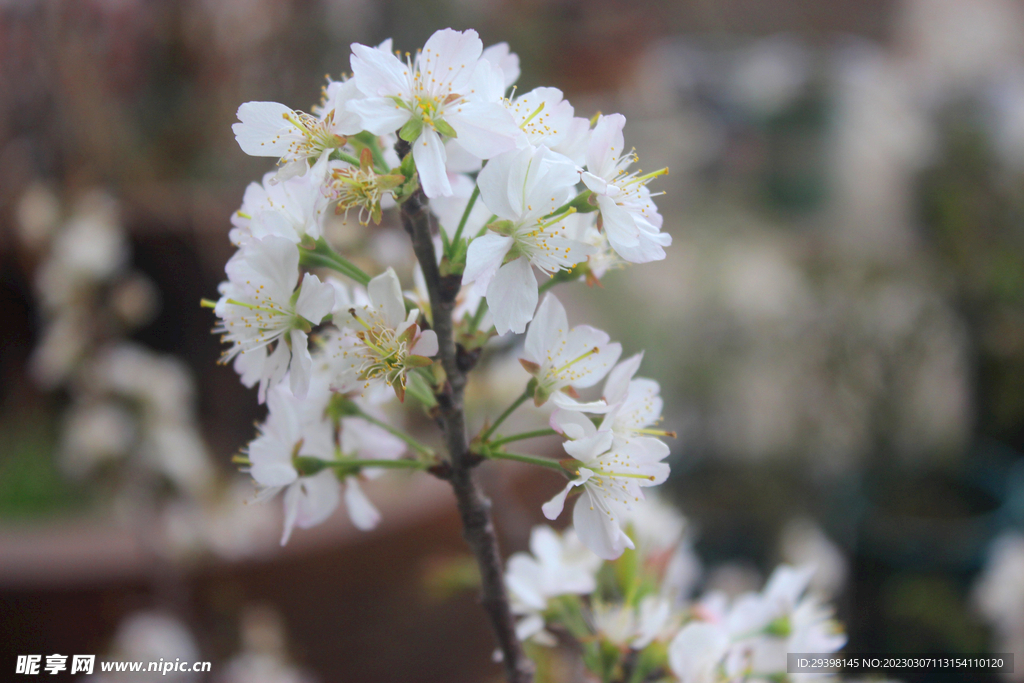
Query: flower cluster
point(635, 619)
point(328, 348)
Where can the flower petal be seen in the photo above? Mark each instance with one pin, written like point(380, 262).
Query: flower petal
point(484, 257)
point(428, 152)
point(362, 512)
point(512, 296)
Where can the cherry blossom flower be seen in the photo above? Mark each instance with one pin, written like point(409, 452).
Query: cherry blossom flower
point(501, 57)
point(558, 565)
point(563, 359)
point(611, 472)
point(381, 343)
point(271, 129)
point(431, 97)
point(258, 307)
point(543, 115)
point(293, 430)
point(628, 213)
point(291, 209)
point(523, 188)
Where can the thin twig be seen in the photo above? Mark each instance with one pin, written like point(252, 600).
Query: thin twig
point(474, 507)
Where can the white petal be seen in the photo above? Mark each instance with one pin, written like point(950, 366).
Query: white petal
point(501, 57)
point(597, 529)
point(320, 496)
point(273, 473)
point(493, 182)
point(566, 402)
point(291, 510)
point(380, 115)
point(362, 512)
point(605, 145)
point(451, 56)
point(378, 73)
point(512, 296)
point(428, 152)
point(301, 364)
point(484, 257)
point(617, 385)
point(572, 424)
point(386, 297)
point(485, 130)
point(316, 299)
point(549, 327)
point(426, 345)
point(696, 651)
point(258, 134)
point(554, 507)
point(590, 447)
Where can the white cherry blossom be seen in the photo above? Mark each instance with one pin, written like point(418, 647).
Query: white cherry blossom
point(558, 565)
point(563, 360)
point(291, 430)
point(381, 343)
point(258, 307)
point(523, 188)
point(446, 91)
point(543, 115)
point(628, 213)
point(290, 209)
point(271, 129)
point(611, 473)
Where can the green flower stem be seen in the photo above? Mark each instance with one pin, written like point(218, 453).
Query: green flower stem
point(465, 215)
point(522, 437)
point(389, 464)
point(527, 393)
point(338, 155)
point(413, 443)
point(474, 322)
point(323, 256)
point(521, 457)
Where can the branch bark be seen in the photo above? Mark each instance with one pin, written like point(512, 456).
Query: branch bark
point(474, 507)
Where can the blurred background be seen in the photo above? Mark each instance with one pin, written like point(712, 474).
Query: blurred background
point(838, 330)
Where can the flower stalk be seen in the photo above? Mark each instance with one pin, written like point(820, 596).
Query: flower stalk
point(473, 505)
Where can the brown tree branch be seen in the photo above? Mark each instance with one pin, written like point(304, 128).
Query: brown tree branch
point(474, 506)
